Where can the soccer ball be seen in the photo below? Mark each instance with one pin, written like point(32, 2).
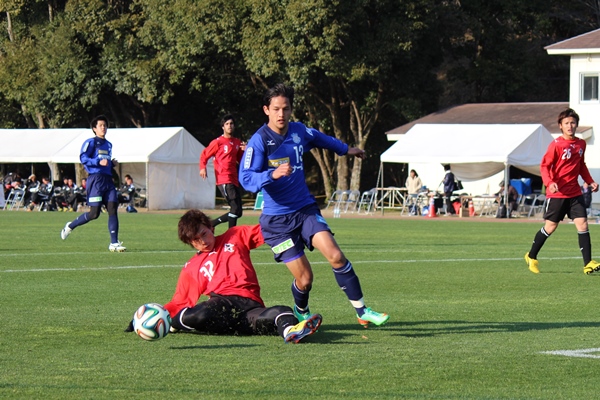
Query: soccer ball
point(151, 322)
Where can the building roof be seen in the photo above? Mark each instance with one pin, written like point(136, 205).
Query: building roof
point(494, 113)
point(583, 44)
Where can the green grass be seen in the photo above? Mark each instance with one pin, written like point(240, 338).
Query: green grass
point(468, 320)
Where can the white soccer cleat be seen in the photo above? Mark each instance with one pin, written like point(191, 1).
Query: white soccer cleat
point(65, 232)
point(117, 247)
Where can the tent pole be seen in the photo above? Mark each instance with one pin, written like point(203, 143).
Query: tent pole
point(379, 178)
point(506, 183)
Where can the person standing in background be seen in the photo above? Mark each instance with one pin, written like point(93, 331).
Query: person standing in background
point(227, 151)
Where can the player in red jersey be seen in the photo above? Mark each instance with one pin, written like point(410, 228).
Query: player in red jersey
point(223, 271)
point(227, 152)
point(561, 167)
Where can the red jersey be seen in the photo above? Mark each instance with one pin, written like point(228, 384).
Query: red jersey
point(227, 270)
point(562, 164)
point(227, 154)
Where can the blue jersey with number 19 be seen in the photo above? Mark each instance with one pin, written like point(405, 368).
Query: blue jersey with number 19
point(266, 150)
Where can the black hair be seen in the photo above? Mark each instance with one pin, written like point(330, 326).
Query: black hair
point(278, 90)
point(226, 118)
point(94, 122)
point(412, 170)
point(569, 112)
point(447, 167)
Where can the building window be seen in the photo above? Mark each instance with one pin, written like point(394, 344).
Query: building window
point(589, 86)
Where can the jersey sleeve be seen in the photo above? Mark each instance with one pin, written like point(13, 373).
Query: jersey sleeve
point(208, 152)
point(546, 165)
point(253, 173)
point(583, 169)
point(87, 156)
point(187, 292)
point(252, 236)
point(321, 140)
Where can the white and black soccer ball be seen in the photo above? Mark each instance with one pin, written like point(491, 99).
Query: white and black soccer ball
point(151, 321)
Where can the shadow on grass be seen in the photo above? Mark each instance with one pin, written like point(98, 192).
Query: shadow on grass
point(436, 328)
point(213, 346)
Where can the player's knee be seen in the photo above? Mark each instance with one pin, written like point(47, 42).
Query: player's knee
point(272, 312)
point(111, 208)
point(94, 212)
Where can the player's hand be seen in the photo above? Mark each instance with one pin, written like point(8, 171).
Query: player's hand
point(243, 146)
point(283, 170)
point(594, 186)
point(356, 152)
point(103, 162)
point(553, 188)
point(115, 163)
point(203, 173)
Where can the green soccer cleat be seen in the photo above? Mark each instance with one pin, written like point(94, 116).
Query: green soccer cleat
point(591, 267)
point(371, 316)
point(303, 329)
point(302, 316)
point(533, 264)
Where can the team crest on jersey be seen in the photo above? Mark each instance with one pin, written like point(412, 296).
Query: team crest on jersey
point(296, 138)
point(278, 161)
point(228, 248)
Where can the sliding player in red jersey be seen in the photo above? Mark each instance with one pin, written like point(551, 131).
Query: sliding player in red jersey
point(561, 167)
point(227, 152)
point(223, 271)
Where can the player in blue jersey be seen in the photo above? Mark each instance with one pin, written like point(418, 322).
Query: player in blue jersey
point(291, 219)
point(96, 157)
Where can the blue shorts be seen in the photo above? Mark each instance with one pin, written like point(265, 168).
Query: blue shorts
point(289, 234)
point(101, 190)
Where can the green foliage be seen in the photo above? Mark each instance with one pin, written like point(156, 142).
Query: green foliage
point(468, 320)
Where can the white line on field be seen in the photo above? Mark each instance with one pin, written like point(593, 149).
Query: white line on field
point(446, 260)
point(583, 353)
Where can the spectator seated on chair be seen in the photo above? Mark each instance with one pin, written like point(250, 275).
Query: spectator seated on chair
point(31, 186)
point(513, 198)
point(127, 194)
point(42, 195)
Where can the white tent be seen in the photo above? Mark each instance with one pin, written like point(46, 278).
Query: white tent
point(164, 161)
point(475, 151)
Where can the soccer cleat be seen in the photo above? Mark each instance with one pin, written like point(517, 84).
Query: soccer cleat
point(372, 316)
point(302, 316)
point(64, 234)
point(533, 264)
point(117, 247)
point(303, 329)
point(591, 267)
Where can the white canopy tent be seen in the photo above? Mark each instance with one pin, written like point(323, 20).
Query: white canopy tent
point(164, 161)
point(474, 151)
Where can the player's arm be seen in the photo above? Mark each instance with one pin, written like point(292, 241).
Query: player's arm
point(319, 139)
point(546, 168)
point(87, 156)
point(586, 176)
point(206, 155)
point(254, 173)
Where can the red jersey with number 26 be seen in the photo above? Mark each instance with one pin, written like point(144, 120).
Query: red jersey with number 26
point(562, 164)
point(227, 154)
point(227, 270)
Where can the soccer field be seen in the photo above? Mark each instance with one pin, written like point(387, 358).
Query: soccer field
point(468, 320)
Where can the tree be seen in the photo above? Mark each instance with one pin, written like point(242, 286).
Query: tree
point(348, 61)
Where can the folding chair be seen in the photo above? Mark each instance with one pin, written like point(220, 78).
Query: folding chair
point(538, 206)
point(15, 199)
point(351, 200)
point(367, 200)
point(336, 197)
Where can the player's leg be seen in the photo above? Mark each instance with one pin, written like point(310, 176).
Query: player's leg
point(555, 212)
point(234, 198)
point(217, 315)
point(578, 213)
point(321, 238)
point(82, 219)
point(301, 285)
point(281, 320)
point(225, 217)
